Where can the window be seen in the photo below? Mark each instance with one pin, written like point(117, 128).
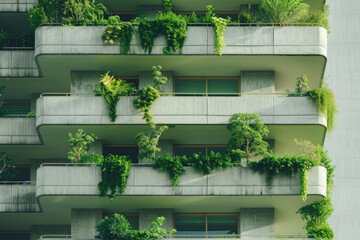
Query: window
point(130, 79)
point(210, 225)
point(14, 236)
point(132, 151)
point(207, 86)
point(24, 174)
point(17, 108)
point(124, 16)
point(133, 219)
point(189, 150)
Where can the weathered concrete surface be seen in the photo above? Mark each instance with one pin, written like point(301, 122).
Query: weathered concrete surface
point(200, 40)
point(257, 82)
point(145, 181)
point(178, 110)
point(16, 198)
point(148, 215)
point(18, 63)
point(16, 5)
point(257, 221)
point(18, 131)
point(83, 221)
point(38, 230)
point(85, 82)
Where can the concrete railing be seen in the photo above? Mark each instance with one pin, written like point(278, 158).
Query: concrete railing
point(18, 131)
point(200, 40)
point(243, 237)
point(18, 198)
point(146, 181)
point(16, 5)
point(178, 110)
point(18, 63)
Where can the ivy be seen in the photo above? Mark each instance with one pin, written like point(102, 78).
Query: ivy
point(219, 28)
point(173, 165)
point(167, 5)
point(117, 29)
point(111, 89)
point(115, 171)
point(80, 143)
point(206, 164)
point(246, 140)
point(117, 227)
point(7, 169)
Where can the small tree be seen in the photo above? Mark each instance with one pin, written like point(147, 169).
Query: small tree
point(148, 142)
point(80, 143)
point(302, 85)
point(7, 169)
point(247, 132)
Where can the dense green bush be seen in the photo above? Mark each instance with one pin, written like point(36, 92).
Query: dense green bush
point(283, 11)
point(4, 39)
point(206, 164)
point(174, 166)
point(111, 89)
point(115, 171)
point(148, 141)
point(246, 140)
point(318, 17)
point(80, 143)
point(7, 169)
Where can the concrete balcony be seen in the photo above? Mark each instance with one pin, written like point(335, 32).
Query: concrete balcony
point(243, 237)
point(18, 198)
point(145, 181)
point(18, 131)
point(16, 5)
point(91, 110)
point(18, 64)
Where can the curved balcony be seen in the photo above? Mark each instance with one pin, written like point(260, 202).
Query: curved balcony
point(18, 131)
point(18, 197)
point(18, 63)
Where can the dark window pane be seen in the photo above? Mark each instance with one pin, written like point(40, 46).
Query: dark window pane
point(221, 150)
point(17, 109)
point(223, 86)
point(190, 86)
point(14, 236)
point(135, 82)
point(190, 226)
point(131, 152)
point(222, 225)
point(189, 151)
point(24, 174)
point(134, 221)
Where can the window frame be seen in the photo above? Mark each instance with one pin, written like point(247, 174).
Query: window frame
point(206, 146)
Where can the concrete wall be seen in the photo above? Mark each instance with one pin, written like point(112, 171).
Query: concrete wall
point(257, 82)
point(257, 221)
point(18, 131)
point(16, 5)
point(83, 221)
point(18, 63)
point(343, 143)
point(18, 198)
point(200, 40)
point(145, 181)
point(148, 215)
point(179, 110)
point(39, 230)
point(85, 82)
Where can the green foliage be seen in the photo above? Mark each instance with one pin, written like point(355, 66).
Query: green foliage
point(4, 39)
point(148, 30)
point(290, 165)
point(219, 28)
point(247, 16)
point(117, 29)
point(7, 169)
point(31, 115)
point(37, 15)
point(247, 133)
point(115, 171)
point(118, 228)
point(173, 165)
point(92, 158)
point(148, 142)
point(283, 11)
point(206, 164)
point(111, 89)
point(302, 85)
point(324, 99)
point(80, 143)
point(318, 17)
point(3, 110)
point(167, 6)
point(28, 39)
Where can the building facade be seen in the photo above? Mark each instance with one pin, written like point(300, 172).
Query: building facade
point(53, 199)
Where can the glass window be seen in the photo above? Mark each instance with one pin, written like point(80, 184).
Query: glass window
point(226, 86)
point(190, 226)
point(221, 150)
point(131, 151)
point(17, 108)
point(210, 86)
point(191, 86)
point(189, 151)
point(222, 225)
point(14, 236)
point(24, 174)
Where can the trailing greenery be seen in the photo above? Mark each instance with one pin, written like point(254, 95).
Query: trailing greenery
point(283, 11)
point(3, 110)
point(117, 29)
point(324, 99)
point(111, 89)
point(7, 169)
point(4, 39)
point(246, 140)
point(173, 165)
point(115, 171)
point(117, 227)
point(219, 28)
point(80, 143)
point(167, 6)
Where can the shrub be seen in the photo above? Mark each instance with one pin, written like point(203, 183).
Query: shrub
point(318, 17)
point(7, 169)
point(206, 164)
point(283, 11)
point(173, 165)
point(80, 143)
point(4, 39)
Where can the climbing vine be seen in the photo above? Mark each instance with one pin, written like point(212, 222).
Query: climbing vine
point(111, 89)
point(219, 28)
point(115, 171)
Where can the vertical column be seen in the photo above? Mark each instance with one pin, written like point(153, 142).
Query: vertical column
point(145, 79)
point(83, 221)
point(84, 82)
point(148, 215)
point(257, 221)
point(257, 82)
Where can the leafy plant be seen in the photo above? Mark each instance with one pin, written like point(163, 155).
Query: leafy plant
point(31, 115)
point(283, 11)
point(302, 85)
point(206, 164)
point(148, 142)
point(219, 28)
point(247, 16)
point(4, 39)
point(7, 169)
point(80, 143)
point(115, 171)
point(167, 5)
point(247, 133)
point(28, 39)
point(3, 110)
point(117, 227)
point(324, 99)
point(318, 17)
point(173, 165)
point(111, 89)
point(117, 29)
